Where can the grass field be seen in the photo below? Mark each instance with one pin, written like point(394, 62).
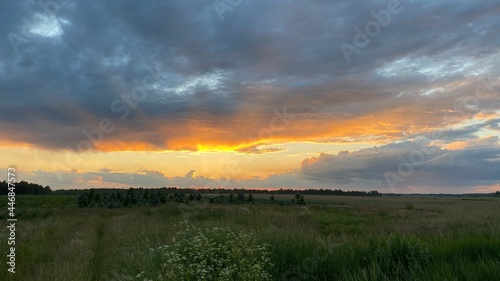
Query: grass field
point(332, 238)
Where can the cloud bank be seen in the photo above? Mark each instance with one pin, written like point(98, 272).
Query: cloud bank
point(175, 76)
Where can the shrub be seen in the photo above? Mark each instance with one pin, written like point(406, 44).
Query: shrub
point(211, 254)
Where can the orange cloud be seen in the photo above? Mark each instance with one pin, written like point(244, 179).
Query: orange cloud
point(481, 142)
point(329, 117)
point(246, 132)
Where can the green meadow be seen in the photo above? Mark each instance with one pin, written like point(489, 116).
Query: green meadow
point(330, 238)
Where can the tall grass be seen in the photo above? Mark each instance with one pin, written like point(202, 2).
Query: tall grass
point(348, 239)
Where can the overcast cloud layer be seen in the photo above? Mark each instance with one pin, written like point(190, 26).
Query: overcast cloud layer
point(171, 75)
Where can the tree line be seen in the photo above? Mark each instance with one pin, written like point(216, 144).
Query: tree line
point(291, 191)
point(25, 188)
point(171, 190)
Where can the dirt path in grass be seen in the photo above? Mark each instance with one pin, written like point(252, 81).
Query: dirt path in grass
point(97, 259)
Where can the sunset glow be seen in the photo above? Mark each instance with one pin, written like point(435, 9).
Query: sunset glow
point(267, 98)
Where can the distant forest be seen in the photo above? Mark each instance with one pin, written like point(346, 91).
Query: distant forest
point(172, 190)
point(25, 188)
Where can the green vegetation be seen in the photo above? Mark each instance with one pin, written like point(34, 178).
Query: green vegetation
point(34, 206)
point(330, 238)
point(95, 198)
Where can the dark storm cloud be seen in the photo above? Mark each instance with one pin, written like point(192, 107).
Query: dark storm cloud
point(263, 55)
point(421, 165)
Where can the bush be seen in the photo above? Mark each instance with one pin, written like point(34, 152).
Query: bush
point(211, 254)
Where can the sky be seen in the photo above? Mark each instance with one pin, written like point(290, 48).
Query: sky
point(394, 96)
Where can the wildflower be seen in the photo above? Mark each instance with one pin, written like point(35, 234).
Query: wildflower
point(212, 254)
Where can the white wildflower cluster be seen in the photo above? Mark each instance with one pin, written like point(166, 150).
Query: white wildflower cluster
point(211, 254)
